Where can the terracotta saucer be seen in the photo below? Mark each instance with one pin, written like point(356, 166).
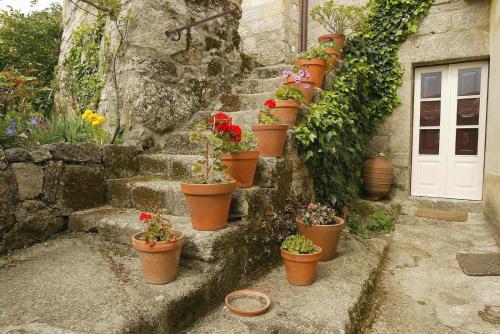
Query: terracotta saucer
point(250, 295)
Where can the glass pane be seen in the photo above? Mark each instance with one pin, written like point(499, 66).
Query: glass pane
point(466, 142)
point(468, 112)
point(469, 81)
point(429, 142)
point(431, 85)
point(430, 113)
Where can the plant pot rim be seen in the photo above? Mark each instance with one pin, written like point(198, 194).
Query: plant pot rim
point(287, 104)
point(340, 223)
point(160, 246)
point(291, 81)
point(313, 61)
point(200, 189)
point(243, 155)
point(277, 127)
point(311, 257)
point(333, 34)
point(247, 313)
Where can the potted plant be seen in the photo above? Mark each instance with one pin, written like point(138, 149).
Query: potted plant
point(209, 195)
point(338, 19)
point(314, 62)
point(301, 259)
point(270, 134)
point(159, 249)
point(301, 80)
point(320, 224)
point(287, 104)
point(242, 160)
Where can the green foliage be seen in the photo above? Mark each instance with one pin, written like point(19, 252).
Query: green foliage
point(318, 51)
point(298, 244)
point(285, 92)
point(337, 129)
point(266, 117)
point(29, 46)
point(381, 222)
point(156, 229)
point(363, 221)
point(85, 66)
point(248, 143)
point(338, 18)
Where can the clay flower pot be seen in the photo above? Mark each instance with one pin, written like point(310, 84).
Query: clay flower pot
point(271, 137)
point(324, 236)
point(301, 268)
point(378, 174)
point(306, 86)
point(241, 167)
point(339, 39)
point(316, 67)
point(262, 301)
point(160, 261)
point(286, 112)
point(208, 204)
point(331, 61)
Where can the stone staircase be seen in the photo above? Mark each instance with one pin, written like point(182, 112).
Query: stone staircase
point(218, 261)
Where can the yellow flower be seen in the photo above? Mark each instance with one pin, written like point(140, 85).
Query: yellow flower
point(100, 119)
point(92, 117)
point(85, 116)
point(96, 123)
point(87, 112)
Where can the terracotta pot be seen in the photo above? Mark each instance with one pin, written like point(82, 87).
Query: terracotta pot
point(241, 167)
point(331, 61)
point(316, 67)
point(339, 39)
point(378, 174)
point(245, 294)
point(301, 268)
point(271, 137)
point(286, 112)
point(208, 204)
point(324, 236)
point(306, 86)
point(160, 261)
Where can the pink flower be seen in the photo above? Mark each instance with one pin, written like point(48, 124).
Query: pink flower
point(307, 86)
point(287, 74)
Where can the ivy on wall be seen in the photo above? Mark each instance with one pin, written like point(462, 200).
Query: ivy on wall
point(334, 137)
point(86, 65)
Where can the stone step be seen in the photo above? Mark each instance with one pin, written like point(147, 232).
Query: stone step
point(254, 101)
point(152, 193)
point(271, 71)
point(178, 167)
point(255, 85)
point(118, 225)
point(244, 118)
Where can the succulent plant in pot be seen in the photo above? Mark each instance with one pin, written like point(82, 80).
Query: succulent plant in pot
point(340, 20)
point(320, 224)
point(301, 80)
point(159, 249)
point(301, 259)
point(314, 62)
point(286, 105)
point(270, 134)
point(209, 194)
point(241, 161)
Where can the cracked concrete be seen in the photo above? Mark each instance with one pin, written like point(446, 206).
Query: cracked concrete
point(423, 290)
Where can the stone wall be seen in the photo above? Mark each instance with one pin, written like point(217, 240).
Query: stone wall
point(492, 167)
point(163, 82)
point(453, 31)
point(40, 188)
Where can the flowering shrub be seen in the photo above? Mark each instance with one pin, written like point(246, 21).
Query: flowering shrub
point(266, 115)
point(298, 77)
point(317, 214)
point(156, 229)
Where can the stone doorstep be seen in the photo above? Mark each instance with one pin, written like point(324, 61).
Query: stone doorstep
point(343, 285)
point(150, 194)
point(457, 216)
point(118, 225)
point(271, 71)
point(178, 167)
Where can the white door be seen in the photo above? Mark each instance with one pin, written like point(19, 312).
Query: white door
point(449, 131)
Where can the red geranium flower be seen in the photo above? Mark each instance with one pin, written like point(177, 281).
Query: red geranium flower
point(145, 216)
point(235, 134)
point(270, 103)
point(221, 121)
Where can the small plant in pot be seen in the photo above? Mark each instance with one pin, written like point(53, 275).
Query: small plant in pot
point(242, 160)
point(339, 20)
point(287, 104)
point(301, 80)
point(159, 249)
point(320, 224)
point(270, 134)
point(208, 196)
point(301, 259)
point(314, 62)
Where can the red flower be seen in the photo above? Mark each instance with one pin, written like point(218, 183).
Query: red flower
point(235, 134)
point(270, 103)
point(145, 216)
point(221, 121)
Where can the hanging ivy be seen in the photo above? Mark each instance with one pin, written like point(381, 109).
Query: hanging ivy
point(86, 65)
point(334, 138)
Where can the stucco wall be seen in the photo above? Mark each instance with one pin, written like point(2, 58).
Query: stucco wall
point(452, 32)
point(492, 167)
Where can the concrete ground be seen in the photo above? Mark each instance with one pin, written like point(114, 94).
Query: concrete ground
point(422, 289)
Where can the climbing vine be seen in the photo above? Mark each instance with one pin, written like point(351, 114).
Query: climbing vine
point(334, 137)
point(85, 66)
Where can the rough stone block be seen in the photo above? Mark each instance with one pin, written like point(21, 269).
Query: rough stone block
point(120, 161)
point(29, 179)
point(81, 187)
point(8, 194)
point(17, 155)
point(40, 155)
point(51, 181)
point(80, 152)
